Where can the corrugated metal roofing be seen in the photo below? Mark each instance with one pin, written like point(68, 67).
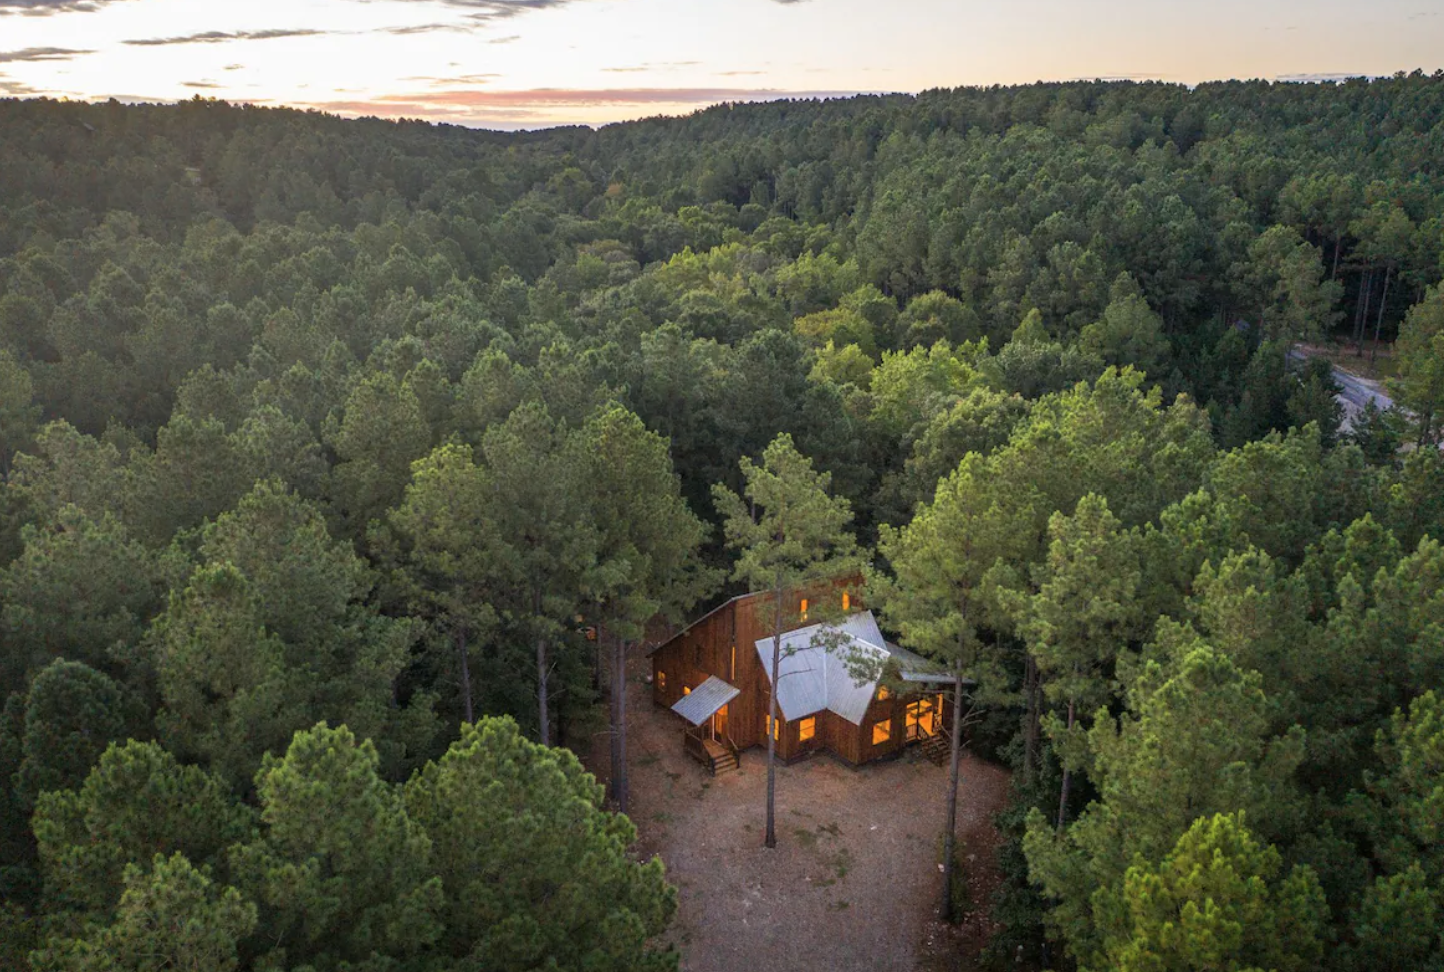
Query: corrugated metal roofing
point(821, 663)
point(702, 702)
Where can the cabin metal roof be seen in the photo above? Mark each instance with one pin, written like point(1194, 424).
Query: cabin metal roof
point(820, 667)
point(702, 702)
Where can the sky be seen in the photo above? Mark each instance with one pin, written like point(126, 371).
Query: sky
point(537, 63)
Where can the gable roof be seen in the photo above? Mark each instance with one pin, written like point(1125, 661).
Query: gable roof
point(813, 678)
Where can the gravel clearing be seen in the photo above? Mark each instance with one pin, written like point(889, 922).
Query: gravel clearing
point(854, 880)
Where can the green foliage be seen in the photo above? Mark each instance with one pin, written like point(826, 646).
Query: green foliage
point(1194, 742)
point(72, 712)
point(480, 378)
point(549, 885)
point(788, 532)
point(19, 417)
point(1216, 902)
point(82, 589)
point(172, 916)
point(340, 871)
point(137, 802)
point(1420, 383)
point(942, 595)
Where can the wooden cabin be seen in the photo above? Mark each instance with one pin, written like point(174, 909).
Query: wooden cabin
point(716, 674)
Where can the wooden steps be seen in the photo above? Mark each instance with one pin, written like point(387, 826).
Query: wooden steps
point(936, 748)
point(719, 759)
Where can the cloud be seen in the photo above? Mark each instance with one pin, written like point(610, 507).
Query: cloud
point(485, 11)
point(40, 54)
point(458, 79)
point(1315, 78)
point(505, 40)
point(502, 9)
point(44, 8)
point(428, 29)
point(650, 66)
point(16, 89)
point(198, 84)
point(233, 67)
point(222, 36)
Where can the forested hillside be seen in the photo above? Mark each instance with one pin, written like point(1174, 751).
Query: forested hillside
point(338, 456)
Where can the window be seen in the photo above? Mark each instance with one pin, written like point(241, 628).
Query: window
point(686, 690)
point(881, 732)
point(846, 601)
point(804, 609)
point(883, 694)
point(806, 729)
point(776, 728)
point(662, 681)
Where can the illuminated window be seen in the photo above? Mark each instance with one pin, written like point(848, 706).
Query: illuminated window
point(846, 600)
point(806, 729)
point(804, 609)
point(686, 690)
point(883, 694)
point(776, 728)
point(662, 680)
point(881, 732)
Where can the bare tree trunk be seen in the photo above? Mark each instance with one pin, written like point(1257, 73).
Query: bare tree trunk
point(542, 677)
point(464, 655)
point(1379, 321)
point(619, 724)
point(954, 770)
point(1338, 245)
point(1030, 741)
point(1033, 730)
point(1067, 780)
point(771, 839)
point(1361, 320)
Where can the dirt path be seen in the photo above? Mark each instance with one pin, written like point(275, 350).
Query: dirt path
point(854, 881)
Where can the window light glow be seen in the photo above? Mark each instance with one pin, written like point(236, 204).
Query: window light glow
point(806, 729)
point(881, 732)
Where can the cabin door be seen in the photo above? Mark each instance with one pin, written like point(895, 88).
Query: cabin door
point(924, 718)
point(719, 723)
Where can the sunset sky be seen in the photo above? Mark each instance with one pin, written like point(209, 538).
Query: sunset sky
point(533, 63)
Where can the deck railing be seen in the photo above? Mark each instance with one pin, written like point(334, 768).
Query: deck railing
point(692, 744)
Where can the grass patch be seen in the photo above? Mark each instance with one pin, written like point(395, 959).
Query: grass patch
point(651, 759)
point(805, 838)
point(836, 905)
point(842, 863)
point(662, 817)
point(831, 828)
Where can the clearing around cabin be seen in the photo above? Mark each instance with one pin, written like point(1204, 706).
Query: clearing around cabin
point(853, 882)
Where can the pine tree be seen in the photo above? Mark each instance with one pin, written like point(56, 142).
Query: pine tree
point(789, 535)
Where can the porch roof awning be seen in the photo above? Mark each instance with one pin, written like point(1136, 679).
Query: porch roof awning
point(703, 701)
